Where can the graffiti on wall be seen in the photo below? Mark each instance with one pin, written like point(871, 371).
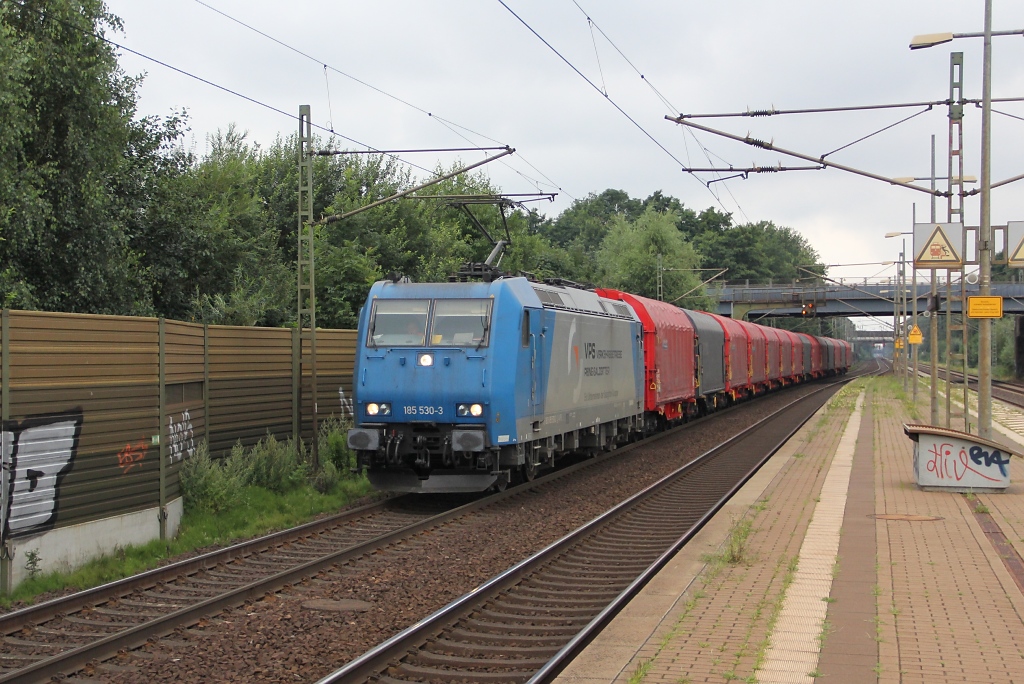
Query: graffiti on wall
point(37, 453)
point(346, 403)
point(182, 438)
point(132, 456)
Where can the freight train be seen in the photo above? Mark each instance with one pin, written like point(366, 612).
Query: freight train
point(467, 386)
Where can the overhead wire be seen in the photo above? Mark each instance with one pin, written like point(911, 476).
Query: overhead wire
point(1012, 116)
point(881, 130)
point(450, 125)
point(664, 100)
point(223, 88)
point(590, 83)
point(330, 108)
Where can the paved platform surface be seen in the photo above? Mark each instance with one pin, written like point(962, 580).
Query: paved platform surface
point(797, 579)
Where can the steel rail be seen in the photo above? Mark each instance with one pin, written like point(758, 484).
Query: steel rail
point(576, 645)
point(16, 620)
point(135, 636)
point(376, 659)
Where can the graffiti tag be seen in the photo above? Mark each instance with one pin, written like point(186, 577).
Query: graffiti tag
point(131, 456)
point(948, 463)
point(346, 403)
point(37, 453)
point(182, 440)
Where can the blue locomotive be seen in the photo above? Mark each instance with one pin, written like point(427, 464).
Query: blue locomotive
point(464, 386)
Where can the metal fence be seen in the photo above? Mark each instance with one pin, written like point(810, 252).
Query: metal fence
point(99, 412)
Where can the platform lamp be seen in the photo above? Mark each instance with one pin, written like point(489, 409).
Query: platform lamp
point(985, 225)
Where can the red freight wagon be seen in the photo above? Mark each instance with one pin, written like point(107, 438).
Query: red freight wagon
point(817, 365)
point(778, 367)
point(737, 355)
point(758, 336)
point(669, 355)
point(796, 354)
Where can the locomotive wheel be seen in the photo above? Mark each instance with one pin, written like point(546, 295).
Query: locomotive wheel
point(528, 470)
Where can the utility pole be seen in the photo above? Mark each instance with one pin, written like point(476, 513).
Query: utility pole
point(306, 276)
point(933, 320)
point(985, 236)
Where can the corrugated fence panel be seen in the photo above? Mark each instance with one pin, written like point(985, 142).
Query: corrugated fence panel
point(83, 437)
point(83, 415)
point(250, 385)
point(335, 359)
point(184, 420)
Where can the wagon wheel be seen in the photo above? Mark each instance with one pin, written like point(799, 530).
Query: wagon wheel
point(528, 470)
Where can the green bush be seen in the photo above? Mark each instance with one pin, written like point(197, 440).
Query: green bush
point(273, 465)
point(205, 485)
point(277, 466)
point(333, 445)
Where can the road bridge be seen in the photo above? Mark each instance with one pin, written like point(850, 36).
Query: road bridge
point(848, 299)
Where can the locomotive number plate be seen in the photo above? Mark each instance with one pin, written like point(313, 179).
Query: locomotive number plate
point(424, 410)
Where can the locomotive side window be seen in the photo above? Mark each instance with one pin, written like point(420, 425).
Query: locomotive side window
point(461, 322)
point(525, 341)
point(399, 322)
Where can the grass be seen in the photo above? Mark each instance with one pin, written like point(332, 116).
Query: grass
point(260, 512)
point(222, 508)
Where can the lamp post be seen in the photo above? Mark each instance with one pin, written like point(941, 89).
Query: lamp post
point(985, 226)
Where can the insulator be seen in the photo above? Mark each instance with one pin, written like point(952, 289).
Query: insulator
point(761, 112)
point(759, 143)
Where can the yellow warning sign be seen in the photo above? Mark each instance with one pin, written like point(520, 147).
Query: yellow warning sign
point(1015, 236)
point(1017, 258)
point(938, 251)
point(984, 307)
point(899, 343)
point(915, 336)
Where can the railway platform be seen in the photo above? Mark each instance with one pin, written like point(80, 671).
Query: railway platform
point(830, 565)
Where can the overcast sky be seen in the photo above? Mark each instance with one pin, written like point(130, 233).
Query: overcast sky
point(475, 65)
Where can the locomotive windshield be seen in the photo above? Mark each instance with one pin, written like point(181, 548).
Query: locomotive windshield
point(399, 322)
point(461, 323)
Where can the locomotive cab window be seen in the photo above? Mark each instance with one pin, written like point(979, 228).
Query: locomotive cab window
point(399, 322)
point(461, 323)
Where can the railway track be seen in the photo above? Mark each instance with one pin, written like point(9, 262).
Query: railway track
point(1010, 392)
point(528, 622)
point(62, 636)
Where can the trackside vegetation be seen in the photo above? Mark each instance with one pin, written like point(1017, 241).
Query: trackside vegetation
point(251, 492)
point(104, 211)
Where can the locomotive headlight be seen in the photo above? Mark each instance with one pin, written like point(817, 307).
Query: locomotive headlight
point(464, 410)
point(425, 360)
point(373, 409)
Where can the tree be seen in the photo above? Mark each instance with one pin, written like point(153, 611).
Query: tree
point(67, 145)
point(629, 256)
point(758, 252)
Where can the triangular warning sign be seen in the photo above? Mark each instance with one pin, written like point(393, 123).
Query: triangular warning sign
point(1018, 254)
point(938, 250)
point(915, 330)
